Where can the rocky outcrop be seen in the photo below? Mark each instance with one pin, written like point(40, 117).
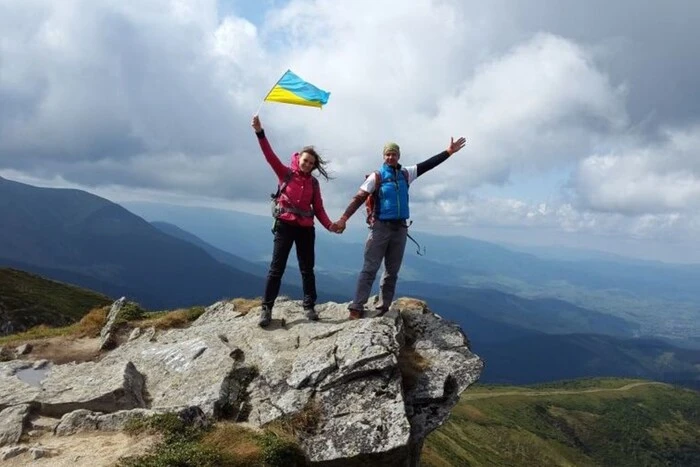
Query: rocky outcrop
point(373, 388)
point(107, 338)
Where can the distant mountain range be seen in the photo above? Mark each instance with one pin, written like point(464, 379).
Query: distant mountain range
point(197, 256)
point(464, 257)
point(652, 298)
point(527, 360)
point(327, 286)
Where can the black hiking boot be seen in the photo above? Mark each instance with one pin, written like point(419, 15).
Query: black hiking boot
point(265, 317)
point(311, 314)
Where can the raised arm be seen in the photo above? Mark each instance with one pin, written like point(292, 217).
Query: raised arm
point(270, 156)
point(438, 159)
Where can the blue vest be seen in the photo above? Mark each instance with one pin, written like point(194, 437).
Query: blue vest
point(392, 193)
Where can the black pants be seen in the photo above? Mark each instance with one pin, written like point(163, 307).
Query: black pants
point(304, 238)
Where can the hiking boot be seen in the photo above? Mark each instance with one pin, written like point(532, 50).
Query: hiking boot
point(356, 314)
point(265, 317)
point(311, 314)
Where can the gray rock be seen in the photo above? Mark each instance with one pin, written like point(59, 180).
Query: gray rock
point(182, 369)
point(12, 422)
point(451, 369)
point(219, 312)
point(41, 364)
point(39, 425)
point(14, 391)
point(77, 421)
point(361, 417)
point(23, 349)
point(86, 420)
point(109, 387)
point(37, 452)
point(107, 338)
point(136, 332)
point(12, 451)
point(103, 387)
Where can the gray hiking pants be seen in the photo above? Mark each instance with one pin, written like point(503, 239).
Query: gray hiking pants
point(386, 241)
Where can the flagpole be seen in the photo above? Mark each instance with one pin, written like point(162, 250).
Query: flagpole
point(260, 107)
point(268, 92)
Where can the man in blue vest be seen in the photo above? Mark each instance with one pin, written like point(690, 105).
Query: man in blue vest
point(388, 227)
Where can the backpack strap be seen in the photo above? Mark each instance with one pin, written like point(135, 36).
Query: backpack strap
point(377, 192)
point(371, 205)
point(377, 181)
point(283, 185)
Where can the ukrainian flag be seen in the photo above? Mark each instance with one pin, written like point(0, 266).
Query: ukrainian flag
point(290, 89)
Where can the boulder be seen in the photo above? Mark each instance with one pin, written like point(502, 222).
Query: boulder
point(23, 349)
point(107, 337)
point(12, 422)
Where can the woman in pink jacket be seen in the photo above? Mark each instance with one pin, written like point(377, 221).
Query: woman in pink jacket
point(298, 203)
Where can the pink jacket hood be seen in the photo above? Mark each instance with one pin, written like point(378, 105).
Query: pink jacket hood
point(294, 162)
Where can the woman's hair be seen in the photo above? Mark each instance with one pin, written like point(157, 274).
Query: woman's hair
point(320, 164)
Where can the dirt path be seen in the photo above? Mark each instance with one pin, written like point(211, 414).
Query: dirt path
point(98, 449)
point(484, 395)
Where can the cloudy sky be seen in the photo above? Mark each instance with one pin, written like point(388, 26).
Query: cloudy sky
point(582, 118)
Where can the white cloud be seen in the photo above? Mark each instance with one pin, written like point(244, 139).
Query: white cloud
point(156, 96)
point(661, 177)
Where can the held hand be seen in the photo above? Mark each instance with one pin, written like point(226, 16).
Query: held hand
point(340, 225)
point(257, 126)
point(456, 145)
point(335, 228)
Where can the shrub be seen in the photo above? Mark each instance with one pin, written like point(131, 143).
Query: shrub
point(178, 454)
point(281, 452)
point(239, 443)
point(298, 424)
point(223, 445)
point(130, 312)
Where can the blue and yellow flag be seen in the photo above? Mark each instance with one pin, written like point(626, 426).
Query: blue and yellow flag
point(290, 89)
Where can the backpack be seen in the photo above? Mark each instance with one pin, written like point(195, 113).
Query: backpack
point(372, 206)
point(274, 197)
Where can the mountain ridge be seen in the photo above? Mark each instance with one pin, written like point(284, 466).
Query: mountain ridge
point(82, 235)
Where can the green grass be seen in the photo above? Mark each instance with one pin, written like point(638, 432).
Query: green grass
point(583, 383)
point(220, 445)
point(28, 300)
point(562, 424)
